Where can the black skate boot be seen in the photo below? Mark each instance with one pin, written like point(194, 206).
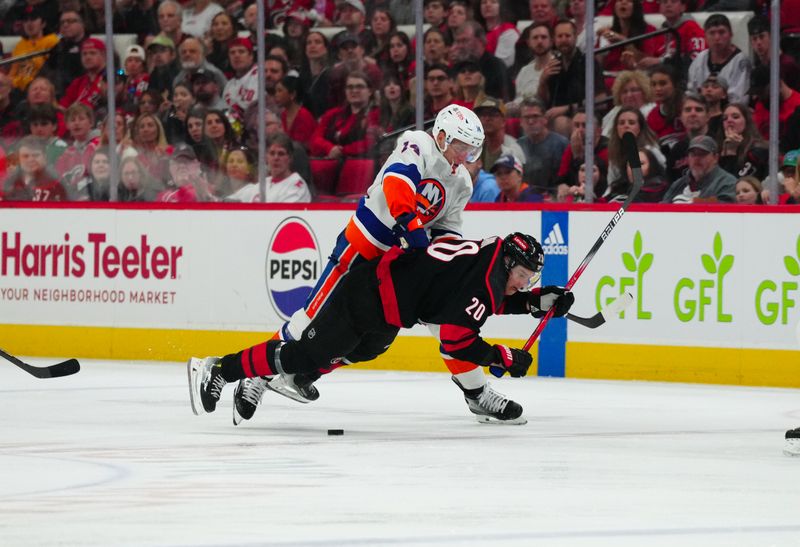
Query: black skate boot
point(491, 407)
point(247, 397)
point(792, 446)
point(205, 383)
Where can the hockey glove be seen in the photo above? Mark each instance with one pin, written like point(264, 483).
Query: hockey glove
point(547, 297)
point(410, 232)
point(511, 360)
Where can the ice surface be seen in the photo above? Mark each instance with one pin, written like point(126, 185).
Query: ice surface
point(114, 456)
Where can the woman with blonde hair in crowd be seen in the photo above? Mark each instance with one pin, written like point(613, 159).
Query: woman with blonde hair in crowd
point(150, 143)
point(630, 120)
point(134, 183)
point(632, 89)
point(742, 150)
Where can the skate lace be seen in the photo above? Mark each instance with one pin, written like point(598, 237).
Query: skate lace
point(215, 385)
point(253, 390)
point(491, 400)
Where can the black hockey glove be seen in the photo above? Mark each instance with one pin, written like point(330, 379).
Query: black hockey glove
point(546, 297)
point(512, 360)
point(410, 232)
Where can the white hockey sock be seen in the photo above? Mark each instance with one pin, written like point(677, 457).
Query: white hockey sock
point(473, 379)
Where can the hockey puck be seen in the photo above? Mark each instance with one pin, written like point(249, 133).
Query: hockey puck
point(336, 432)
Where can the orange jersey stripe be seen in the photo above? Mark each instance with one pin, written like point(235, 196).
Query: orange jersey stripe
point(339, 271)
point(400, 195)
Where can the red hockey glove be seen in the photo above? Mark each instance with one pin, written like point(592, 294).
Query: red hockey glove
point(410, 232)
point(512, 360)
point(546, 297)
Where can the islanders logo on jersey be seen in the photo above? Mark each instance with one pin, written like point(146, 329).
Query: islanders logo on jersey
point(293, 265)
point(430, 199)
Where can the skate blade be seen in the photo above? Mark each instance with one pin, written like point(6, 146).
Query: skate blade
point(237, 418)
point(279, 385)
point(522, 420)
point(792, 447)
point(193, 368)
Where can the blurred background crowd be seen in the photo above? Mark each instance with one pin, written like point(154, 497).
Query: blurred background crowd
point(340, 83)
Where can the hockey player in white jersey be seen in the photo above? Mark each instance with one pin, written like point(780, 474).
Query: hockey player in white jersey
point(418, 196)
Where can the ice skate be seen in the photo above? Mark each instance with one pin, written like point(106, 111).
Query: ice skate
point(247, 397)
point(298, 387)
point(491, 407)
point(792, 446)
point(205, 383)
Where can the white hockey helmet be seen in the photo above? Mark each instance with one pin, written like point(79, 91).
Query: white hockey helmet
point(463, 124)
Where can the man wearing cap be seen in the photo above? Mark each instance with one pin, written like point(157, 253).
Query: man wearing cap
point(241, 90)
point(508, 172)
point(206, 90)
point(163, 62)
point(352, 16)
point(136, 77)
point(90, 87)
point(692, 37)
point(63, 65)
point(351, 59)
point(492, 113)
point(192, 53)
point(23, 72)
point(705, 180)
point(188, 182)
point(723, 58)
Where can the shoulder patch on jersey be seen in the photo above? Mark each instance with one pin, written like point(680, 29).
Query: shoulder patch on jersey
point(431, 198)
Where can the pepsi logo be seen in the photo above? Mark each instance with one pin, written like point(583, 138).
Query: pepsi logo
point(430, 199)
point(293, 266)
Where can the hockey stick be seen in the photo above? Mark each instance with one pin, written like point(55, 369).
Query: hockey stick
point(619, 305)
point(631, 150)
point(64, 368)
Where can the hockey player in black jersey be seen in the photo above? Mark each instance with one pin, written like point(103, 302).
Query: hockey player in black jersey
point(456, 284)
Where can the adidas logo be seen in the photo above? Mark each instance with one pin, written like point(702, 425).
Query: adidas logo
point(554, 242)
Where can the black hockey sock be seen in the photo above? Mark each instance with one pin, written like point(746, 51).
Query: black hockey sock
point(232, 367)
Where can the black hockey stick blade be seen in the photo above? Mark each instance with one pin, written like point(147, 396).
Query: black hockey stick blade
point(64, 368)
point(609, 312)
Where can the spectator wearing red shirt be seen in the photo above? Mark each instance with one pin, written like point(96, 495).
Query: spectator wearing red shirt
point(574, 155)
point(692, 37)
point(188, 182)
point(628, 22)
point(89, 88)
point(789, 100)
point(31, 180)
point(296, 120)
point(343, 131)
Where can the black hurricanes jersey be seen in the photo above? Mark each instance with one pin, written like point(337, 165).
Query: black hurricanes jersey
point(456, 284)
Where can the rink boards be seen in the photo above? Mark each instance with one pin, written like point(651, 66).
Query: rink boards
point(716, 288)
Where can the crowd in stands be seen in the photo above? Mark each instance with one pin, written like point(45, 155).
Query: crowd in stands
point(340, 80)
